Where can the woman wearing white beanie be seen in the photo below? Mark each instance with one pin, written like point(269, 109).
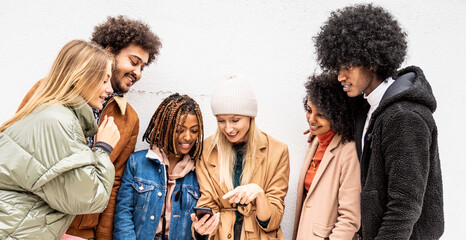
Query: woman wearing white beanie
point(243, 173)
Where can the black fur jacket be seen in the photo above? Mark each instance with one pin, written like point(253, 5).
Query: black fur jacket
point(402, 195)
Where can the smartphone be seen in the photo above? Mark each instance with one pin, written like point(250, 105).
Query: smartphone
point(201, 211)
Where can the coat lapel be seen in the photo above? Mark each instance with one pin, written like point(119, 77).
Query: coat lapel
point(304, 167)
point(260, 155)
point(328, 157)
point(306, 163)
point(214, 168)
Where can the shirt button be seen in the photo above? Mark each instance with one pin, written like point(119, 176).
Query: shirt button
point(159, 194)
point(141, 187)
point(152, 217)
point(229, 235)
point(160, 170)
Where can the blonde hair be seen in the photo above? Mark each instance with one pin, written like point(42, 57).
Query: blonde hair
point(227, 156)
point(76, 75)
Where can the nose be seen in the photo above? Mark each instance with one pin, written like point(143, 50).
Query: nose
point(109, 89)
point(187, 136)
point(341, 77)
point(311, 117)
point(138, 73)
point(229, 127)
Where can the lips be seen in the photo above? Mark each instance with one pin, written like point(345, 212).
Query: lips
point(185, 145)
point(131, 78)
point(314, 128)
point(229, 135)
point(346, 86)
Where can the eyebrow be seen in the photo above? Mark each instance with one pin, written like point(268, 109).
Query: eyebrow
point(136, 56)
point(182, 126)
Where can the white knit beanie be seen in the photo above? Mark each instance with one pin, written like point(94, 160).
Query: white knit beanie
point(234, 95)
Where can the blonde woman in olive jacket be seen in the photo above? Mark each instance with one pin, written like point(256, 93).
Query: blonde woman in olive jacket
point(47, 172)
point(243, 173)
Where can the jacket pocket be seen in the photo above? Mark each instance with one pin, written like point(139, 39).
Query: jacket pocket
point(143, 190)
point(277, 234)
point(321, 230)
point(371, 213)
point(192, 196)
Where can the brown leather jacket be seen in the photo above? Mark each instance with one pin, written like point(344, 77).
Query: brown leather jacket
point(100, 226)
point(271, 174)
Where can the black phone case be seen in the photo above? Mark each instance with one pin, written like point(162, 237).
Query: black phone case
point(200, 212)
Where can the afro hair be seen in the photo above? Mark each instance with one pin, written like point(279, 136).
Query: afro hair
point(326, 94)
point(119, 32)
point(361, 36)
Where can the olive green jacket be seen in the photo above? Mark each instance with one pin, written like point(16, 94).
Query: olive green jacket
point(48, 174)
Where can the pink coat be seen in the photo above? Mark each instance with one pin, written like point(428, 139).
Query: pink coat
point(331, 209)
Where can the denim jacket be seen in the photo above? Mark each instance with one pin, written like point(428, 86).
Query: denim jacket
point(140, 200)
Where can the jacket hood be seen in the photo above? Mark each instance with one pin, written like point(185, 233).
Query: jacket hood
point(181, 169)
point(410, 85)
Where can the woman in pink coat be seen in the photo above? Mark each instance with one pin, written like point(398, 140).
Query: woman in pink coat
point(328, 204)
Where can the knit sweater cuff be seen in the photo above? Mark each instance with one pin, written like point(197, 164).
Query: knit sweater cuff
point(104, 146)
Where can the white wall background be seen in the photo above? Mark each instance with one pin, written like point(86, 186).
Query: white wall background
point(269, 42)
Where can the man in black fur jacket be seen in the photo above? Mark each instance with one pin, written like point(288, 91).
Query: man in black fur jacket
point(396, 135)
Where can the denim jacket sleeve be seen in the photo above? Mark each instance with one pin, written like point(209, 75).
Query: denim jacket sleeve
point(123, 227)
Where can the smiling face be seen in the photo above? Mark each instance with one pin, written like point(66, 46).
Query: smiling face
point(356, 80)
point(234, 127)
point(186, 134)
point(104, 90)
point(130, 63)
point(318, 125)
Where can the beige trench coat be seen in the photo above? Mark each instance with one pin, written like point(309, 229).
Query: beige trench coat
point(331, 209)
point(271, 174)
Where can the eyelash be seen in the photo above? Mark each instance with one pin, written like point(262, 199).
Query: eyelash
point(310, 111)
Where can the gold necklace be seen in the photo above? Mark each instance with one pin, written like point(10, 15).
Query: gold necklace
point(313, 165)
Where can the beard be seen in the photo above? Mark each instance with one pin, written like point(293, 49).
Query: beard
point(115, 80)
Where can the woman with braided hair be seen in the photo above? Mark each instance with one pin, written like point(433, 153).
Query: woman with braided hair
point(159, 186)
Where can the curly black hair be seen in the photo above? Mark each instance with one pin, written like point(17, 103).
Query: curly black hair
point(163, 125)
point(118, 32)
point(324, 92)
point(361, 36)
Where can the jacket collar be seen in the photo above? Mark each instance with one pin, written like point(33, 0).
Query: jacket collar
point(154, 156)
point(328, 157)
point(121, 102)
point(85, 116)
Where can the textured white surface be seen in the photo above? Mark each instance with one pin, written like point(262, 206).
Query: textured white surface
point(269, 42)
